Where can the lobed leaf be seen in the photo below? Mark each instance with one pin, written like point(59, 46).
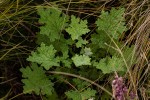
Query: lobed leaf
point(109, 65)
point(80, 60)
point(45, 55)
point(83, 95)
point(77, 28)
point(81, 42)
point(87, 51)
point(54, 20)
point(112, 23)
point(36, 80)
point(100, 39)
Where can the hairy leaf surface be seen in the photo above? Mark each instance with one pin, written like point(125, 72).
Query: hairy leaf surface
point(77, 27)
point(81, 42)
point(36, 80)
point(54, 21)
point(109, 65)
point(112, 23)
point(45, 55)
point(80, 60)
point(83, 95)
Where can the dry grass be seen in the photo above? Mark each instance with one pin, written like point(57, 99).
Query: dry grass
point(139, 24)
point(13, 44)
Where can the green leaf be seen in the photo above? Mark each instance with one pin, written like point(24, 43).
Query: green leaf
point(54, 22)
point(45, 55)
point(81, 42)
point(62, 44)
point(80, 60)
point(36, 80)
point(80, 83)
point(112, 23)
point(42, 38)
point(83, 95)
point(87, 51)
point(77, 27)
point(100, 39)
point(73, 95)
point(54, 96)
point(109, 65)
point(87, 94)
point(65, 60)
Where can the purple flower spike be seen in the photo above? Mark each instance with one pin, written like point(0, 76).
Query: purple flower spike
point(119, 88)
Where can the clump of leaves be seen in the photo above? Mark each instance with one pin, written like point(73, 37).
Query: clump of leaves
point(63, 46)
